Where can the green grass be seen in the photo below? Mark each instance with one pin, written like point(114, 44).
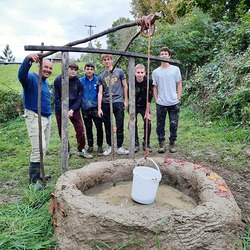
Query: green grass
point(9, 79)
point(197, 140)
point(27, 224)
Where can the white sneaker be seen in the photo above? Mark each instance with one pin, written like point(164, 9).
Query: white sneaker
point(122, 151)
point(107, 151)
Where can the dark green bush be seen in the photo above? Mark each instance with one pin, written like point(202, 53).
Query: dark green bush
point(221, 89)
point(11, 105)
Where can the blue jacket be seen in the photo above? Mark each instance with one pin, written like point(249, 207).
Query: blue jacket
point(30, 82)
point(90, 93)
point(75, 94)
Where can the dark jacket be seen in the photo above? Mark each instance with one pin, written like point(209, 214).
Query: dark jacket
point(75, 93)
point(141, 92)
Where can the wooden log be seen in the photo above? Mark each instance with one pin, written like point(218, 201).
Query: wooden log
point(131, 108)
point(99, 51)
point(65, 109)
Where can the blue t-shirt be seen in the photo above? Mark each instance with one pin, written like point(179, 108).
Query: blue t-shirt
point(30, 82)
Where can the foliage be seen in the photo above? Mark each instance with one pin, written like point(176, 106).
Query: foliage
point(222, 88)
point(7, 55)
point(174, 9)
point(191, 39)
point(11, 105)
point(118, 40)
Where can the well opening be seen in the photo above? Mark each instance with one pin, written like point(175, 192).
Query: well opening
point(84, 221)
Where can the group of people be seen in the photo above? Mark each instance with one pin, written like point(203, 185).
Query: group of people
point(89, 102)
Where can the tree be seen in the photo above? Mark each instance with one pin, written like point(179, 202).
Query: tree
point(8, 56)
point(118, 40)
point(174, 9)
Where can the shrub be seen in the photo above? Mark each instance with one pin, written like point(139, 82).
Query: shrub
point(11, 105)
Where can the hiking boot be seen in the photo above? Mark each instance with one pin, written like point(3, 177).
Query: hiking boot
point(90, 150)
point(34, 172)
point(122, 151)
point(85, 154)
point(100, 150)
point(162, 147)
point(172, 148)
point(107, 151)
point(47, 177)
point(37, 186)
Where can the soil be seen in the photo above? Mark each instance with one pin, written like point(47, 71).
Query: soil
point(120, 195)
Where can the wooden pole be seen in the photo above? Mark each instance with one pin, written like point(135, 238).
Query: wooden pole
point(39, 108)
point(65, 109)
point(127, 47)
point(112, 129)
point(131, 108)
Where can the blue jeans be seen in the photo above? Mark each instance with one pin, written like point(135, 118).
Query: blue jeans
point(118, 111)
point(173, 113)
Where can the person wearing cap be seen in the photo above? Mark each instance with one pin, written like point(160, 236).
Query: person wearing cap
point(89, 108)
point(75, 102)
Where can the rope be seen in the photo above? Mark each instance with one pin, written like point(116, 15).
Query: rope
point(147, 30)
point(147, 25)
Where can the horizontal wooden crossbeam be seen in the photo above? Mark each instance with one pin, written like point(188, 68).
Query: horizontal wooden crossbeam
point(100, 51)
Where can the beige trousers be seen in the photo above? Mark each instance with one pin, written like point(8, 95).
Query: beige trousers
point(31, 120)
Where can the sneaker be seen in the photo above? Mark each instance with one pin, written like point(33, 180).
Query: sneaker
point(122, 151)
point(90, 150)
point(162, 147)
point(137, 147)
point(100, 150)
point(85, 154)
point(172, 148)
point(107, 151)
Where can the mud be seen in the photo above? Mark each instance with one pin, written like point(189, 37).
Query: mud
point(119, 194)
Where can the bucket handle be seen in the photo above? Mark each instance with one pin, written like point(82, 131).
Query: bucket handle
point(150, 160)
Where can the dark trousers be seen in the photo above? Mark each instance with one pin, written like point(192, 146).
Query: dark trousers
point(76, 120)
point(142, 112)
point(90, 116)
point(173, 113)
point(118, 111)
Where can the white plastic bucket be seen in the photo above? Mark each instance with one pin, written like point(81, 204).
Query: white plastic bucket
point(145, 183)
